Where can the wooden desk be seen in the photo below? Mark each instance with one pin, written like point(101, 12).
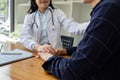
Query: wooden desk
point(28, 69)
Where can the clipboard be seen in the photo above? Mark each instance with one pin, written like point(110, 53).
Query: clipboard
point(13, 56)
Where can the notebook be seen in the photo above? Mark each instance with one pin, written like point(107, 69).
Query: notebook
point(13, 55)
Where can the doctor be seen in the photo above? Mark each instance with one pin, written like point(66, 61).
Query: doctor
point(42, 26)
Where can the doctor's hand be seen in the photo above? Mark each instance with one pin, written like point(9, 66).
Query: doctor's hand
point(46, 48)
point(45, 56)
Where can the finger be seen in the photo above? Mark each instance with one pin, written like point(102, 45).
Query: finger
point(45, 50)
point(51, 50)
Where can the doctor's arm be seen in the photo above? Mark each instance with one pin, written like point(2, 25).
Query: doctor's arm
point(70, 25)
point(26, 34)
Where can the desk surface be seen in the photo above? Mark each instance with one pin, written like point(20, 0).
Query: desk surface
point(28, 69)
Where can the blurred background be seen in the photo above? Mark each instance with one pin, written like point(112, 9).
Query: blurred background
point(12, 13)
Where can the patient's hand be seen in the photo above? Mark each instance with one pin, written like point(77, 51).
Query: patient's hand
point(46, 48)
point(61, 51)
point(45, 56)
point(50, 52)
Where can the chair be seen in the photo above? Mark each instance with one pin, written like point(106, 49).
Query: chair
point(67, 41)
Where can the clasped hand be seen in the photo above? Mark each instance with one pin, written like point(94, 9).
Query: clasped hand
point(46, 51)
point(46, 48)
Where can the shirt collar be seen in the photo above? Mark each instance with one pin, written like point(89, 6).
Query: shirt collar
point(46, 11)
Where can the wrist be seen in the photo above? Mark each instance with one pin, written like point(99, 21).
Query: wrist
point(64, 51)
point(49, 56)
point(36, 47)
point(45, 56)
point(61, 52)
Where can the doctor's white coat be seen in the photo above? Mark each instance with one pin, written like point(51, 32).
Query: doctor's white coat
point(31, 34)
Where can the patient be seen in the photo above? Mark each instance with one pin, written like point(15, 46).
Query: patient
point(97, 56)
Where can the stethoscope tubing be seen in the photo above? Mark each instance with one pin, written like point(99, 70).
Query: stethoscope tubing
point(37, 24)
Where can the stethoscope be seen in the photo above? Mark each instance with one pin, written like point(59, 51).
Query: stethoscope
point(34, 23)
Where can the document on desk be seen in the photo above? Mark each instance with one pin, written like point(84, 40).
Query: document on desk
point(13, 55)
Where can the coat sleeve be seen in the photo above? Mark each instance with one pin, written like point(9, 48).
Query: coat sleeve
point(70, 25)
point(26, 35)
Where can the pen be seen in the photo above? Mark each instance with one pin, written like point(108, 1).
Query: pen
point(11, 53)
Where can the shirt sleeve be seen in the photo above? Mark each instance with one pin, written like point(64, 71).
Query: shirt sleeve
point(95, 49)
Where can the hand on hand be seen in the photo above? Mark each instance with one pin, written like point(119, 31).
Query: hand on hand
point(46, 51)
point(45, 55)
point(46, 48)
